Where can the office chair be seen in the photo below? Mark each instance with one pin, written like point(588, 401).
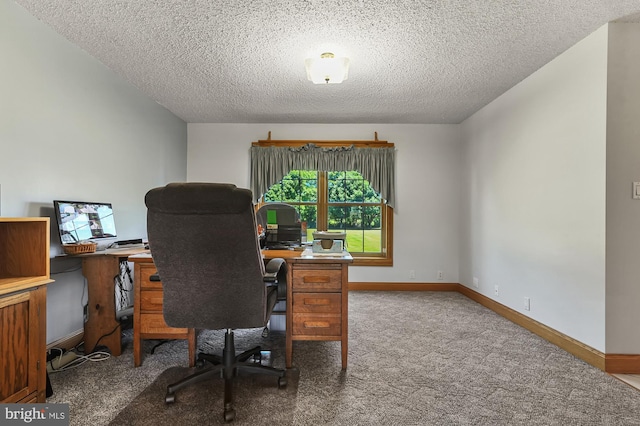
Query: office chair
point(291, 214)
point(204, 244)
point(288, 233)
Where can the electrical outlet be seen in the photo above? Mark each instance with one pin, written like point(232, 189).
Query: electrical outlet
point(496, 290)
point(527, 304)
point(476, 282)
point(440, 275)
point(412, 274)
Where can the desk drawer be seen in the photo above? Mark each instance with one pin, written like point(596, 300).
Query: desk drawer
point(317, 303)
point(154, 323)
point(317, 279)
point(145, 281)
point(151, 300)
point(317, 324)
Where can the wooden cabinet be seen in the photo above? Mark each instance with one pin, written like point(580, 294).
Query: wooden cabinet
point(317, 301)
point(148, 320)
point(24, 274)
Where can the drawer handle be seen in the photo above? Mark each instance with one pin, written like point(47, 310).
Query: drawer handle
point(317, 279)
point(316, 301)
point(316, 324)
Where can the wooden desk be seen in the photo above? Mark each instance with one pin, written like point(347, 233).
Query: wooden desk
point(317, 298)
point(317, 302)
point(100, 269)
point(148, 319)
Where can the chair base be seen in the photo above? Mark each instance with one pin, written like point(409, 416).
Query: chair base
point(226, 366)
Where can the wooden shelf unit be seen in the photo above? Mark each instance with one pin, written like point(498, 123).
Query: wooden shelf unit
point(24, 275)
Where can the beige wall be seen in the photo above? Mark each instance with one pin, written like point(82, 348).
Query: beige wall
point(623, 168)
point(534, 194)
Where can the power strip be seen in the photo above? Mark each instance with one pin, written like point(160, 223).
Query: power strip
point(60, 361)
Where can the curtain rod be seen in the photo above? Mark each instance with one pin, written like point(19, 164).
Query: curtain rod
point(359, 143)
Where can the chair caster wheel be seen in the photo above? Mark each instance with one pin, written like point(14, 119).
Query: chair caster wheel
point(229, 415)
point(282, 382)
point(170, 398)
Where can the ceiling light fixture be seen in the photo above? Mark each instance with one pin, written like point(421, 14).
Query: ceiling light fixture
point(327, 69)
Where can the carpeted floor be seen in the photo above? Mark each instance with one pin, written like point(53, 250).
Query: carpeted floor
point(415, 358)
point(201, 403)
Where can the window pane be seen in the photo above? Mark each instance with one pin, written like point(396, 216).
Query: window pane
point(339, 218)
point(336, 187)
point(350, 187)
point(309, 186)
point(309, 214)
point(362, 224)
point(297, 186)
point(372, 229)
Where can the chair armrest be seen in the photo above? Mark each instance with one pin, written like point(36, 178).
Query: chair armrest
point(276, 275)
point(272, 270)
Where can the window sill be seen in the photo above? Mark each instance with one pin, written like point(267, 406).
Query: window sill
point(372, 261)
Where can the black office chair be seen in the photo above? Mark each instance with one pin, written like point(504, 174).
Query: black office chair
point(288, 220)
point(291, 215)
point(203, 241)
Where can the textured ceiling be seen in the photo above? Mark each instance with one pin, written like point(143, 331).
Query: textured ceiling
point(242, 61)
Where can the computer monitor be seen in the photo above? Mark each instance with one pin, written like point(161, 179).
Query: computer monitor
point(85, 221)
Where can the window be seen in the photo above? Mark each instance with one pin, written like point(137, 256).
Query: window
point(340, 201)
point(357, 196)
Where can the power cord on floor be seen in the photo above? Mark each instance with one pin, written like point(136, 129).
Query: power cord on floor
point(73, 360)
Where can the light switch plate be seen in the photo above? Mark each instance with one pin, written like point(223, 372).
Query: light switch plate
point(636, 191)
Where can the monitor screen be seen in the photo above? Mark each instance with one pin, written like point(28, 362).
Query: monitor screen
point(82, 221)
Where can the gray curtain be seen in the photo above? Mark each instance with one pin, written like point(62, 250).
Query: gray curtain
point(270, 164)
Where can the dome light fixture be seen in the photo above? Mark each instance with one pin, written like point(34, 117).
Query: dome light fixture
point(327, 69)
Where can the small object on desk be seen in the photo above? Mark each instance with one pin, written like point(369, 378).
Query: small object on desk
point(327, 246)
point(80, 248)
point(327, 236)
point(129, 242)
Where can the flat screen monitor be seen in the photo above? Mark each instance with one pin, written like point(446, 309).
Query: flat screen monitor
point(84, 221)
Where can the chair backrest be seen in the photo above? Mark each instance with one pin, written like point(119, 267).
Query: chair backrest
point(288, 220)
point(203, 241)
point(288, 211)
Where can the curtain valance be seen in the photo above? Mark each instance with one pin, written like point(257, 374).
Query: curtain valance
point(269, 164)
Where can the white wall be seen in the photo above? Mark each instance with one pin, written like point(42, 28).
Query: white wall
point(623, 168)
point(71, 129)
point(534, 194)
point(426, 221)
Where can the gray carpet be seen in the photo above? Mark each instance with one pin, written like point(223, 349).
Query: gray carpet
point(415, 358)
point(201, 403)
